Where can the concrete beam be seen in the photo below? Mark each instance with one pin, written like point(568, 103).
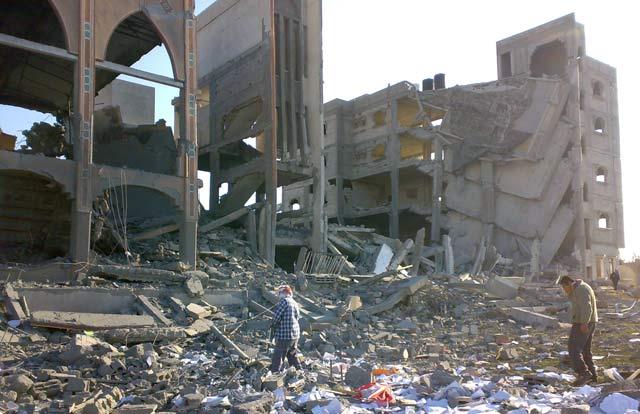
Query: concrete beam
point(35, 47)
point(534, 318)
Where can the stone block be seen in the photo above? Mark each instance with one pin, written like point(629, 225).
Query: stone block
point(193, 286)
point(261, 405)
point(576, 409)
point(77, 385)
point(357, 376)
point(198, 311)
point(19, 383)
point(137, 409)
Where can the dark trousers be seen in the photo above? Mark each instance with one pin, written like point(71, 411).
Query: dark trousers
point(580, 349)
point(615, 283)
point(285, 348)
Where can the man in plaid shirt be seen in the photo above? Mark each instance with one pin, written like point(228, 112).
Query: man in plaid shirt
point(285, 329)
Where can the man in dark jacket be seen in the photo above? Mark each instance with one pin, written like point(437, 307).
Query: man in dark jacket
point(285, 329)
point(584, 315)
point(615, 278)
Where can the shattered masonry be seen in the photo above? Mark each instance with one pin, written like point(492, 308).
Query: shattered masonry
point(57, 66)
point(529, 163)
point(421, 229)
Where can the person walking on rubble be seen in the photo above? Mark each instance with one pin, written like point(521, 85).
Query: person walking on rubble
point(285, 329)
point(584, 316)
point(615, 278)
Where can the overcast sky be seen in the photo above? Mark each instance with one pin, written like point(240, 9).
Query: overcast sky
point(371, 43)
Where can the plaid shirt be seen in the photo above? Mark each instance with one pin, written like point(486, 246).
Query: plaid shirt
point(285, 319)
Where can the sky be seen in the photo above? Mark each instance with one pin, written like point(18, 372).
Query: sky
point(368, 44)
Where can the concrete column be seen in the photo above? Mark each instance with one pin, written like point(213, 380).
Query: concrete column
point(313, 87)
point(214, 180)
point(293, 108)
point(251, 227)
point(188, 149)
point(487, 178)
point(436, 192)
point(214, 155)
point(84, 89)
point(268, 216)
point(393, 152)
point(283, 132)
point(340, 150)
point(449, 261)
point(577, 183)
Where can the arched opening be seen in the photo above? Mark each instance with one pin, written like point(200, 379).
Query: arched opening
point(35, 218)
point(34, 88)
point(133, 38)
point(597, 88)
point(598, 125)
point(601, 175)
point(294, 205)
point(33, 20)
point(549, 59)
point(603, 221)
point(134, 119)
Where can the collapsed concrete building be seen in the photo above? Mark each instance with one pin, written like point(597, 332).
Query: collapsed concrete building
point(58, 66)
point(260, 112)
point(524, 169)
point(528, 164)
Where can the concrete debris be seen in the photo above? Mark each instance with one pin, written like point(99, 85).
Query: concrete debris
point(356, 376)
point(77, 321)
point(193, 286)
point(502, 287)
point(197, 311)
point(424, 265)
point(530, 316)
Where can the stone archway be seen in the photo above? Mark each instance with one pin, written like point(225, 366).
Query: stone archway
point(35, 217)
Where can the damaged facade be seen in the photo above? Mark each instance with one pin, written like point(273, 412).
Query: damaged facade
point(260, 110)
point(528, 164)
point(504, 178)
point(59, 65)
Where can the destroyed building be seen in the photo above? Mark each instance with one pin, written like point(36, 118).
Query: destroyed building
point(58, 65)
point(529, 163)
point(179, 321)
point(260, 111)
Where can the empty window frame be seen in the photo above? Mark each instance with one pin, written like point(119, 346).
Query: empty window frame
point(597, 88)
point(603, 221)
point(598, 125)
point(505, 64)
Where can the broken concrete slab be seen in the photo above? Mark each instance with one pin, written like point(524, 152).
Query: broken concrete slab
point(531, 317)
point(400, 255)
point(89, 321)
point(193, 286)
point(502, 288)
point(138, 335)
point(136, 409)
point(12, 303)
point(153, 310)
point(260, 405)
point(230, 345)
point(197, 311)
point(223, 220)
point(357, 376)
point(136, 274)
point(405, 290)
point(383, 259)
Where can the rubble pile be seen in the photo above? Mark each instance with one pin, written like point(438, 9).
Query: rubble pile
point(142, 333)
